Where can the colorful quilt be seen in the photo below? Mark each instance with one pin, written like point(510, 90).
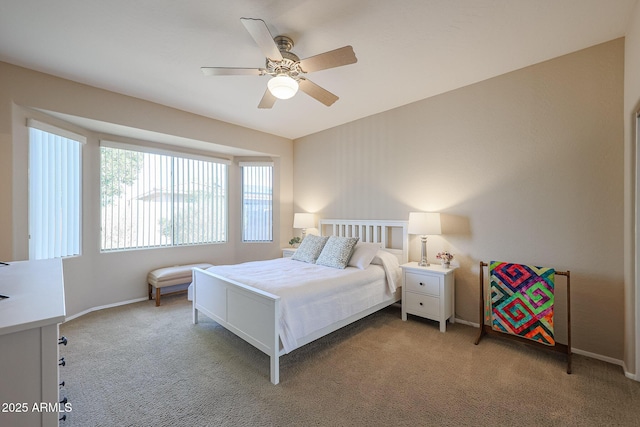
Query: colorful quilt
point(522, 298)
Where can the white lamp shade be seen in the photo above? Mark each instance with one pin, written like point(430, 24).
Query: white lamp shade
point(282, 86)
point(304, 220)
point(424, 223)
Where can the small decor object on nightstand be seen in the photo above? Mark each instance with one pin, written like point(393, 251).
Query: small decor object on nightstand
point(295, 242)
point(445, 258)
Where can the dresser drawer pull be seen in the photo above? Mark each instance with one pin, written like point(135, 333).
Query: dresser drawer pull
point(61, 384)
point(63, 418)
point(421, 304)
point(62, 362)
point(62, 340)
point(64, 401)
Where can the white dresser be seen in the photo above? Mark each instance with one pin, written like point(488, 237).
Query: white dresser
point(428, 292)
point(29, 341)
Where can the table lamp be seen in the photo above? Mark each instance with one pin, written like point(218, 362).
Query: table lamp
point(424, 224)
point(304, 221)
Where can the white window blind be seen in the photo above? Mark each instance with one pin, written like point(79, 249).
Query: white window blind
point(257, 202)
point(151, 199)
point(54, 191)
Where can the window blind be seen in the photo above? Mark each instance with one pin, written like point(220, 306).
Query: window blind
point(54, 191)
point(257, 201)
point(152, 199)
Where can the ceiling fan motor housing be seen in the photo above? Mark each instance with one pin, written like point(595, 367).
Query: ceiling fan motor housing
point(284, 43)
point(290, 64)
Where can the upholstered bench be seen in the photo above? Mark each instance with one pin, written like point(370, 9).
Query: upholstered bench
point(171, 276)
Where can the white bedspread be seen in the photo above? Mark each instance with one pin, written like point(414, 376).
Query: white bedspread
point(313, 296)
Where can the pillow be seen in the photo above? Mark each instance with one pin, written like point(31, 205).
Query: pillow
point(362, 255)
point(310, 248)
point(337, 252)
point(385, 258)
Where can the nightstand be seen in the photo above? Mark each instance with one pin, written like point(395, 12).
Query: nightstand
point(428, 292)
point(288, 252)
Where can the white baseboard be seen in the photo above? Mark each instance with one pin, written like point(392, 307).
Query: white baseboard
point(628, 374)
point(597, 356)
point(102, 307)
point(575, 351)
point(464, 322)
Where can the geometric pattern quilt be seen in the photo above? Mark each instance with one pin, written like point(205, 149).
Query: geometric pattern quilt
point(522, 298)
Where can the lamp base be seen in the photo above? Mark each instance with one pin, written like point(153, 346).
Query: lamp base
point(423, 259)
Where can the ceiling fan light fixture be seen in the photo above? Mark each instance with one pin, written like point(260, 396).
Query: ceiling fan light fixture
point(282, 86)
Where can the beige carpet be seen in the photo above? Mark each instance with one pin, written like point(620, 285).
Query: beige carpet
point(141, 365)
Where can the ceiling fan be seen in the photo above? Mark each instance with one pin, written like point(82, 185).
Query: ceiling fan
point(285, 68)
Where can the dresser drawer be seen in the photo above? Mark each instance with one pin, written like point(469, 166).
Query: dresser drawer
point(422, 283)
point(422, 305)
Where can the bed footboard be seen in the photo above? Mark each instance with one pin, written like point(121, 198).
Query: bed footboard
point(249, 313)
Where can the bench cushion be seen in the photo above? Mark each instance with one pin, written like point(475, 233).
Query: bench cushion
point(176, 275)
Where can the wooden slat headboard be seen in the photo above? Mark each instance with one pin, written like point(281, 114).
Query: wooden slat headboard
point(392, 236)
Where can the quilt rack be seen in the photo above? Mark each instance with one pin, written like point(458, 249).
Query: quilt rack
point(557, 347)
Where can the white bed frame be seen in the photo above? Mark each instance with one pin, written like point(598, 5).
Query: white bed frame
point(253, 314)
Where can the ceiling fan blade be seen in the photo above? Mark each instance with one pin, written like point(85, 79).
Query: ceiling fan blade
point(230, 71)
point(263, 38)
point(315, 91)
point(267, 100)
point(333, 58)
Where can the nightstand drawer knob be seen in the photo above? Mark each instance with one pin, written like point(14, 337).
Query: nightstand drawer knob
point(421, 284)
point(421, 304)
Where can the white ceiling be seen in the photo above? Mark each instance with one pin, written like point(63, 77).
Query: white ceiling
point(407, 49)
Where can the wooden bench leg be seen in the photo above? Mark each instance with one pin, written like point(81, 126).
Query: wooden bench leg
point(150, 287)
point(157, 297)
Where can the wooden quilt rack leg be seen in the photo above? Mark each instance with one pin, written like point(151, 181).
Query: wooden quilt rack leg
point(482, 331)
point(488, 330)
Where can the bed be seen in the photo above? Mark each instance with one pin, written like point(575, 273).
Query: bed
point(269, 304)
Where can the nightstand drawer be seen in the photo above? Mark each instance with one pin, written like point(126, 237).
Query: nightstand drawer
point(422, 283)
point(422, 305)
point(288, 252)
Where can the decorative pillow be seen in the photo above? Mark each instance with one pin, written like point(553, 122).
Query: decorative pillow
point(362, 255)
point(310, 248)
point(337, 252)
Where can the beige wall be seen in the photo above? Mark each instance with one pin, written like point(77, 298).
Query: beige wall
point(527, 167)
point(94, 279)
point(631, 106)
